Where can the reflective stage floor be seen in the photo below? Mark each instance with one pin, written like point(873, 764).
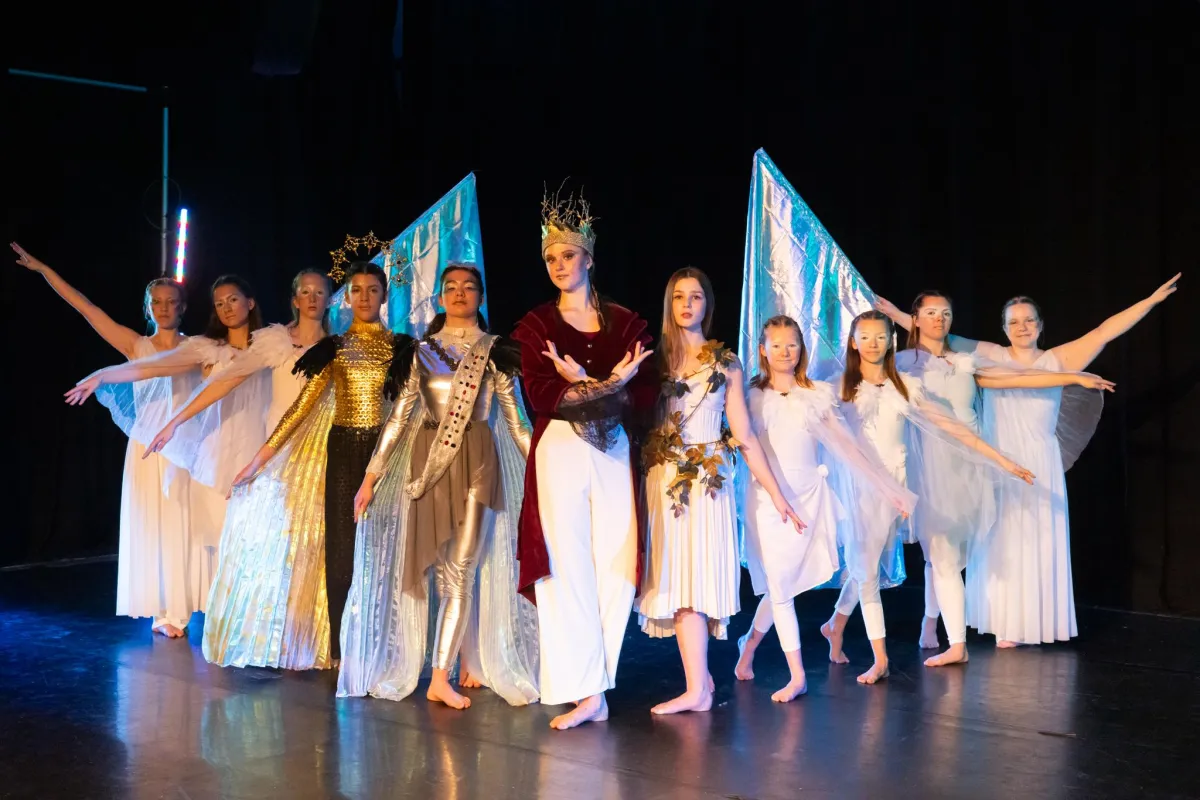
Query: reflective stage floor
point(96, 707)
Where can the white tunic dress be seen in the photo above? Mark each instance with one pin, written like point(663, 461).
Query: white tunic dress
point(782, 562)
point(1019, 579)
point(692, 559)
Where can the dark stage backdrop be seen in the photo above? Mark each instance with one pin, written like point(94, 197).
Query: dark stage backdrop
point(983, 149)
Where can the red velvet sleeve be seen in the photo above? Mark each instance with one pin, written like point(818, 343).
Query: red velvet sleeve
point(543, 386)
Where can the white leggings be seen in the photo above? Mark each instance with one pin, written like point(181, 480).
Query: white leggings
point(865, 592)
point(783, 614)
point(944, 590)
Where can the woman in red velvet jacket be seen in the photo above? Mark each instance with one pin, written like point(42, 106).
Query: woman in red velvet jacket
point(579, 526)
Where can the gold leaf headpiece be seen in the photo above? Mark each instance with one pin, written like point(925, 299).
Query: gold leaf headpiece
point(397, 262)
point(567, 222)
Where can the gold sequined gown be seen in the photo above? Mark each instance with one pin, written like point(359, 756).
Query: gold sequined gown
point(356, 375)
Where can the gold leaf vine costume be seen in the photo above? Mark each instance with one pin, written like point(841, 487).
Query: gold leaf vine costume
point(451, 459)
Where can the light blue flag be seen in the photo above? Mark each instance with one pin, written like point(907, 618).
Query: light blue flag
point(794, 267)
point(448, 231)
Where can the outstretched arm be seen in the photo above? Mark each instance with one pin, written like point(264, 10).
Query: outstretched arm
point(211, 392)
point(1042, 379)
point(739, 425)
point(1077, 355)
point(192, 354)
point(927, 411)
point(122, 338)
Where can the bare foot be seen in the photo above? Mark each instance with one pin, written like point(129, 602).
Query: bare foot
point(688, 701)
point(876, 673)
point(744, 669)
point(712, 685)
point(928, 640)
point(1005, 644)
point(593, 709)
point(955, 654)
point(443, 692)
point(834, 637)
point(794, 689)
point(467, 680)
point(170, 631)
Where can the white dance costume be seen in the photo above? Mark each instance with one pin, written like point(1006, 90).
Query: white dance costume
point(163, 571)
point(958, 505)
point(692, 556)
point(804, 437)
point(879, 414)
point(1019, 580)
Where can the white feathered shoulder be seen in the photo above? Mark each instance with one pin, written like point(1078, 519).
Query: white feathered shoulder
point(272, 346)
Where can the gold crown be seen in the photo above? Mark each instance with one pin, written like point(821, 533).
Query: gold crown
point(567, 222)
point(398, 262)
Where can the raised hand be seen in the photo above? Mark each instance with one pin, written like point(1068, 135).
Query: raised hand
point(566, 366)
point(1166, 290)
point(1089, 381)
point(160, 441)
point(628, 366)
point(26, 260)
point(79, 394)
point(889, 310)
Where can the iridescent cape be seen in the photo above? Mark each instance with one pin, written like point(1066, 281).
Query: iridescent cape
point(385, 630)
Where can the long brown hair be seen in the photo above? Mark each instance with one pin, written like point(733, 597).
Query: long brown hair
point(763, 379)
point(914, 335)
point(216, 329)
point(852, 377)
point(671, 353)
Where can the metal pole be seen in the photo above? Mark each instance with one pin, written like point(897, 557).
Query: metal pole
point(165, 181)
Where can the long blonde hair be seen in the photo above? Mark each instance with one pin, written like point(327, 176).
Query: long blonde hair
point(671, 351)
point(763, 379)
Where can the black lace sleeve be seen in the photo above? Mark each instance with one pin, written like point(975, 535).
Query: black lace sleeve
point(317, 357)
point(403, 347)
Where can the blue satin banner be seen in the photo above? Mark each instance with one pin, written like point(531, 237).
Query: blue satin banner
point(794, 267)
point(447, 232)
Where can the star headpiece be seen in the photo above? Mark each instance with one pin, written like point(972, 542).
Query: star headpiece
point(396, 261)
point(567, 222)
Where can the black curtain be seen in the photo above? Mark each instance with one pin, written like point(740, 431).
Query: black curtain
point(984, 149)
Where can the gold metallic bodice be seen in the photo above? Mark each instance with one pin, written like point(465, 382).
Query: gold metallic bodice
point(431, 382)
point(358, 373)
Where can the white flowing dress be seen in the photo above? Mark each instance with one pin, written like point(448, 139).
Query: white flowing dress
point(692, 559)
point(1019, 578)
point(163, 569)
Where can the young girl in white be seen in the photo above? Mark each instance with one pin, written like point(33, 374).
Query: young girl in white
point(690, 585)
point(804, 437)
point(881, 405)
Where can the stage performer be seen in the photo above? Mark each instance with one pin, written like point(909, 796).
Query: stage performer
point(579, 529)
point(952, 518)
point(692, 570)
point(267, 604)
point(1019, 584)
point(882, 407)
point(158, 574)
point(208, 448)
point(811, 448)
point(441, 497)
point(324, 441)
